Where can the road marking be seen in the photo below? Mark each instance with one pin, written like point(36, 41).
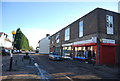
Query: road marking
point(68, 78)
point(41, 73)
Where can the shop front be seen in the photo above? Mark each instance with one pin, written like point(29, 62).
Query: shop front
point(85, 51)
point(107, 53)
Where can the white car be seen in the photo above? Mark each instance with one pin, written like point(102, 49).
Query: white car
point(54, 56)
point(17, 51)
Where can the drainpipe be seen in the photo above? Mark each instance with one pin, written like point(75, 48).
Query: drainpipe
point(61, 49)
point(98, 37)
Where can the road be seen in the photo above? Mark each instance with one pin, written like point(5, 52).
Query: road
point(43, 68)
point(73, 69)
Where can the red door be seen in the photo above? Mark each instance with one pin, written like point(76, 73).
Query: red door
point(107, 55)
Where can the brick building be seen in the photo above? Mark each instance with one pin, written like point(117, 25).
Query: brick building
point(97, 32)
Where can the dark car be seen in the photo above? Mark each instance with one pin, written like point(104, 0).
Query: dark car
point(5, 52)
point(54, 56)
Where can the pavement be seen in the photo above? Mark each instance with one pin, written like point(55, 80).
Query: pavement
point(21, 68)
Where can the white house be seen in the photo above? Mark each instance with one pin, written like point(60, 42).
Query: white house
point(4, 41)
point(44, 45)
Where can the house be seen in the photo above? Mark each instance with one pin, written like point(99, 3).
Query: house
point(44, 45)
point(97, 31)
point(5, 41)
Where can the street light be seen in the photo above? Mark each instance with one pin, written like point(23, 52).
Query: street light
point(13, 33)
point(11, 59)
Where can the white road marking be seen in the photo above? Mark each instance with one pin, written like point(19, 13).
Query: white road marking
point(40, 72)
point(68, 78)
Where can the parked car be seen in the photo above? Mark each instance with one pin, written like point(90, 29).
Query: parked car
point(54, 56)
point(5, 52)
point(17, 51)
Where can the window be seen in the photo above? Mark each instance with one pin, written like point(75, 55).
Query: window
point(109, 24)
point(58, 38)
point(80, 28)
point(67, 34)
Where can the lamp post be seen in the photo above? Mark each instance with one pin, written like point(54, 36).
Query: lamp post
point(11, 59)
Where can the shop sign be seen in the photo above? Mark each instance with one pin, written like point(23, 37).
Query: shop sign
point(70, 44)
point(92, 40)
point(108, 41)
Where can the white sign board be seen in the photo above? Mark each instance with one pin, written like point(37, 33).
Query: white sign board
point(92, 40)
point(108, 41)
point(70, 44)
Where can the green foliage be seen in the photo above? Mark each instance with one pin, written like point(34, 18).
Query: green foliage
point(21, 42)
point(31, 48)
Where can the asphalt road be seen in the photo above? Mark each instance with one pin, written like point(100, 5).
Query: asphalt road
point(72, 69)
point(43, 68)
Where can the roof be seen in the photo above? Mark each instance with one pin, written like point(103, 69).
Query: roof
point(43, 39)
point(1, 34)
point(8, 40)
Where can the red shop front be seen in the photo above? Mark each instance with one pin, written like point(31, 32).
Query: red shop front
point(107, 52)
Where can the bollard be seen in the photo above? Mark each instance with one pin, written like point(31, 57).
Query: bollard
point(11, 60)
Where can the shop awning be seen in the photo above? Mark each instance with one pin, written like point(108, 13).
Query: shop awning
point(108, 44)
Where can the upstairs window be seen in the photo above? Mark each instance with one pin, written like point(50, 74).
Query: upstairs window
point(109, 24)
point(58, 38)
point(80, 28)
point(67, 34)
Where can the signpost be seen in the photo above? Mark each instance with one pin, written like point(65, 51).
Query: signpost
point(11, 56)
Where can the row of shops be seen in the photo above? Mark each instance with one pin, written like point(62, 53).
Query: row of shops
point(85, 39)
point(77, 50)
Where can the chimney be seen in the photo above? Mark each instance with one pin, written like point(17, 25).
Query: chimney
point(47, 35)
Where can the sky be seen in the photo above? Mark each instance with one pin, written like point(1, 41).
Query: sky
point(36, 19)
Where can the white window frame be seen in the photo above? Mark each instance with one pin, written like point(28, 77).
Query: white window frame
point(81, 28)
point(57, 38)
point(109, 24)
point(67, 34)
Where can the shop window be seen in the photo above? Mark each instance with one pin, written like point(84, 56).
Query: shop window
point(67, 34)
point(109, 24)
point(79, 51)
point(67, 51)
point(80, 28)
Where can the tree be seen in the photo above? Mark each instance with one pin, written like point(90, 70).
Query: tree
point(31, 48)
point(21, 41)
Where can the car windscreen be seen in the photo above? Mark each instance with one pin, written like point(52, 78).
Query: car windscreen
point(53, 54)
